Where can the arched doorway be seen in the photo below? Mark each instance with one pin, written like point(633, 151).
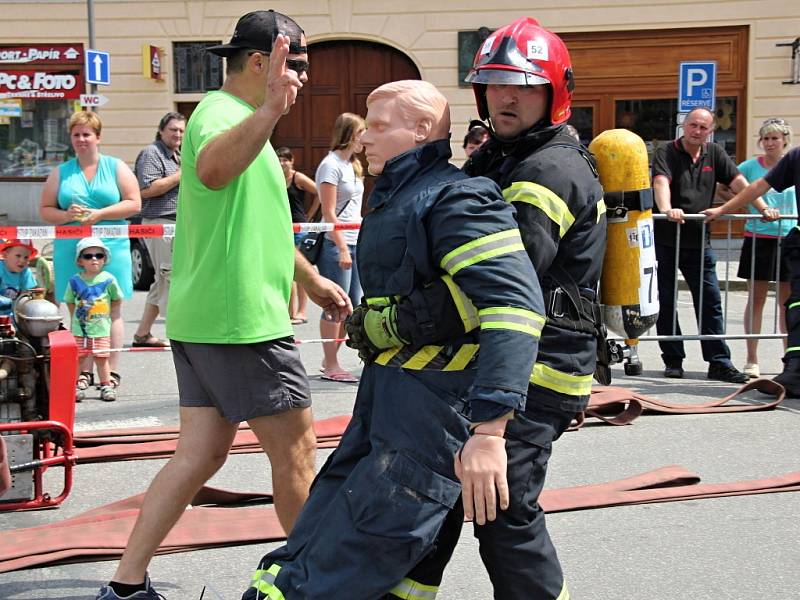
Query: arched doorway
point(342, 75)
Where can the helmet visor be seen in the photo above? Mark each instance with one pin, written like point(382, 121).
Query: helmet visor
point(487, 75)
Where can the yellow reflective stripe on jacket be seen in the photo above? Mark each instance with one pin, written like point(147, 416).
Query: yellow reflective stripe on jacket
point(387, 355)
point(431, 358)
point(408, 589)
point(466, 309)
point(564, 595)
point(544, 199)
point(422, 357)
point(462, 358)
point(483, 248)
point(565, 383)
point(264, 581)
point(516, 319)
point(601, 210)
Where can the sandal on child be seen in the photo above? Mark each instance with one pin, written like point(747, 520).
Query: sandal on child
point(84, 380)
point(116, 379)
point(108, 393)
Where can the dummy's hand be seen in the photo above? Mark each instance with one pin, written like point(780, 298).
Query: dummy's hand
point(357, 336)
point(282, 83)
point(481, 467)
point(770, 214)
point(675, 215)
point(371, 331)
point(329, 296)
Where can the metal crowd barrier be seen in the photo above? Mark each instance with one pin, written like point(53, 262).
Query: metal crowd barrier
point(168, 231)
point(724, 284)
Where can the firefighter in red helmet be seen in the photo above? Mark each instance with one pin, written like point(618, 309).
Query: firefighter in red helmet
point(523, 81)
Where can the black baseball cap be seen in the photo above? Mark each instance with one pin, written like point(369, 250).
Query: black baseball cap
point(257, 30)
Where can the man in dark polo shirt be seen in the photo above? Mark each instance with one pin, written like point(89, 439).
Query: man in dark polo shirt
point(685, 174)
point(783, 175)
point(158, 169)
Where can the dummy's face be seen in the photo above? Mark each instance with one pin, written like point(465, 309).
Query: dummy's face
point(516, 108)
point(388, 134)
point(16, 258)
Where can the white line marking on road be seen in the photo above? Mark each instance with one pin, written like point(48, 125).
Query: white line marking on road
point(120, 423)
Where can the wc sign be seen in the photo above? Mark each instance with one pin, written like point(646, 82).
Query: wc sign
point(697, 86)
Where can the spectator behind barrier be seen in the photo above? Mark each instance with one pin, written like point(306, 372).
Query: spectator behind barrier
point(158, 170)
point(91, 189)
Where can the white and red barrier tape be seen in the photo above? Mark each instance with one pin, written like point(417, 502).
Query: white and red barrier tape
point(49, 232)
point(169, 349)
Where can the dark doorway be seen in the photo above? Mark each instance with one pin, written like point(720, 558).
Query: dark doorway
point(342, 75)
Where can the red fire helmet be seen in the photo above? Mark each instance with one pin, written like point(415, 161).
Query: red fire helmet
point(524, 53)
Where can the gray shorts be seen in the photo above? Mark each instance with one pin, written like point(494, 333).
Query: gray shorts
point(242, 381)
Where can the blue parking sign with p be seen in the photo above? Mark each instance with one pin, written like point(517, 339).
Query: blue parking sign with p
point(98, 67)
point(697, 86)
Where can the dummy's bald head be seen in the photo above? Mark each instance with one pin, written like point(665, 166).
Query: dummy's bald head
point(417, 101)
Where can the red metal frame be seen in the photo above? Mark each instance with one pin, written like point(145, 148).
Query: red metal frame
point(45, 454)
point(63, 369)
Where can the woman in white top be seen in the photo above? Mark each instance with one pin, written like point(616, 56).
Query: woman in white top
point(340, 185)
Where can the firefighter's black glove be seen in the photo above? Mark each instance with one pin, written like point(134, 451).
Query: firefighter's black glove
point(371, 331)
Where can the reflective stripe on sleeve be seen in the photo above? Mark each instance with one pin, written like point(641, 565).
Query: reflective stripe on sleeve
point(544, 199)
point(565, 383)
point(483, 248)
point(601, 210)
point(564, 595)
point(516, 319)
point(466, 309)
point(408, 589)
point(264, 581)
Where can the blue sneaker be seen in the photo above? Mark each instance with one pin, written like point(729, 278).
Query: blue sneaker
point(107, 593)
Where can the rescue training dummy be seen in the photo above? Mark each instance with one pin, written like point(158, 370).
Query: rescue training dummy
point(380, 500)
point(522, 80)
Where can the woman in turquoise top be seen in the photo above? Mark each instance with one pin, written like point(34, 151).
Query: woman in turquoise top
point(759, 254)
point(91, 189)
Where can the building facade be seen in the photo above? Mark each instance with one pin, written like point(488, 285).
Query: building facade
point(626, 57)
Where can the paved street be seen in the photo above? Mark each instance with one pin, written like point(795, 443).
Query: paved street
point(738, 548)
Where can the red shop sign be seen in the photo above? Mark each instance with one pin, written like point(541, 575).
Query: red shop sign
point(40, 85)
point(39, 54)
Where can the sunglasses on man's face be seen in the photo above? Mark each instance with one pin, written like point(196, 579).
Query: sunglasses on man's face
point(91, 255)
point(297, 65)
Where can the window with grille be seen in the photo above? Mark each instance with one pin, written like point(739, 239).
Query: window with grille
point(196, 70)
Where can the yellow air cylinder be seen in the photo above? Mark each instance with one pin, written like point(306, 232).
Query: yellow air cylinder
point(628, 286)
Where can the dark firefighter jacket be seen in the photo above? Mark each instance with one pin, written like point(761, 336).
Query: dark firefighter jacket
point(429, 221)
point(550, 179)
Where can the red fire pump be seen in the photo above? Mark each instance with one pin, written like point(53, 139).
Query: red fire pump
point(38, 364)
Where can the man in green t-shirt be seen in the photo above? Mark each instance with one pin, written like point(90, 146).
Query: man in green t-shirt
point(233, 264)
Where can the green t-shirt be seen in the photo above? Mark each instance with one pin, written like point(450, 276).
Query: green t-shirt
point(233, 254)
point(92, 297)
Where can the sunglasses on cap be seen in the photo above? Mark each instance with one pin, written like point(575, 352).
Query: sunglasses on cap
point(299, 66)
point(91, 255)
